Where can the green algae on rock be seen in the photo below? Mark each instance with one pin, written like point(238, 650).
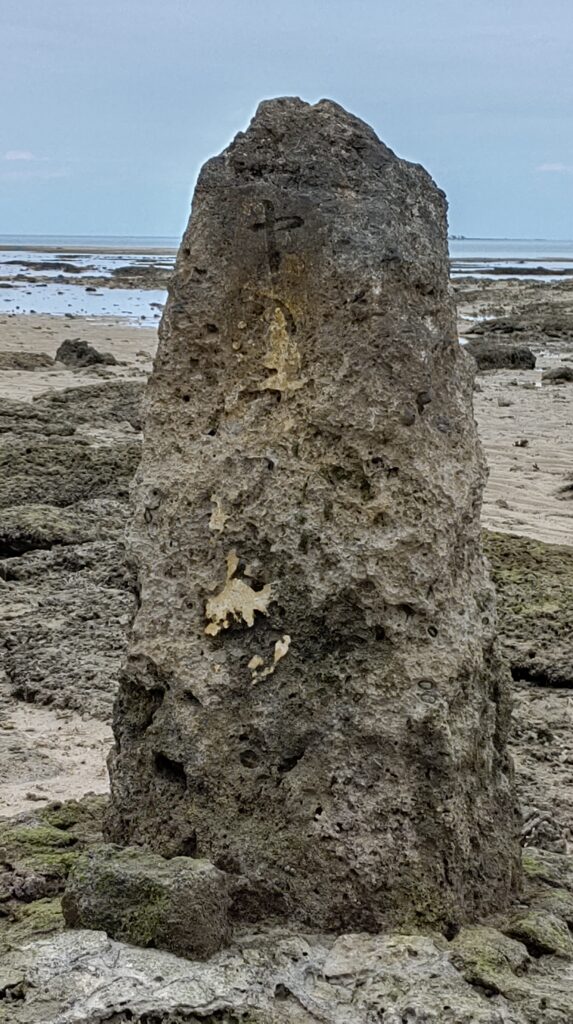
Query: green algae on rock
point(542, 932)
point(135, 896)
point(37, 852)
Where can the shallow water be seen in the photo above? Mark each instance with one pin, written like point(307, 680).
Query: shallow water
point(138, 305)
point(14, 262)
point(515, 257)
point(480, 258)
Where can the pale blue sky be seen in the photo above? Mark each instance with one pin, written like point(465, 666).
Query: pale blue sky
point(109, 107)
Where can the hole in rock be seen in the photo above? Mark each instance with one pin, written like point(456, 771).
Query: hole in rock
point(249, 758)
point(191, 698)
point(289, 762)
point(281, 992)
point(171, 771)
point(188, 846)
point(522, 674)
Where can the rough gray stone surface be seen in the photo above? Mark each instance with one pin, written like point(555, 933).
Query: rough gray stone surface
point(66, 462)
point(269, 974)
point(180, 904)
point(313, 697)
point(273, 978)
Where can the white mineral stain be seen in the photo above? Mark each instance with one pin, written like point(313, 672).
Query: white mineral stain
point(237, 600)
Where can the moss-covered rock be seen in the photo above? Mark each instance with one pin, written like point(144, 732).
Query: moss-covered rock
point(558, 902)
point(38, 851)
point(487, 957)
point(534, 583)
point(542, 867)
point(180, 904)
point(542, 932)
point(30, 921)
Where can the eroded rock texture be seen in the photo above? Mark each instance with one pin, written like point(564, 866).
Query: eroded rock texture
point(313, 698)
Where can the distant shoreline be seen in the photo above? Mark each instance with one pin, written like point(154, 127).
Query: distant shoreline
point(90, 250)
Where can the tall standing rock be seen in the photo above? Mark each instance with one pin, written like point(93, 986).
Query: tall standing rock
point(313, 698)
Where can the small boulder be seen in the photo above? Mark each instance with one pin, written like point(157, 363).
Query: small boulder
point(542, 933)
point(138, 897)
point(492, 355)
point(558, 375)
point(487, 957)
point(76, 353)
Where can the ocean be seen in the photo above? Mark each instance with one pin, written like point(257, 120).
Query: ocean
point(540, 258)
point(131, 243)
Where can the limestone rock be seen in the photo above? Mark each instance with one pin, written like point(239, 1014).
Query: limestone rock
point(180, 905)
point(314, 698)
point(115, 401)
point(76, 353)
point(534, 583)
point(60, 470)
point(264, 978)
point(40, 527)
point(492, 355)
point(558, 375)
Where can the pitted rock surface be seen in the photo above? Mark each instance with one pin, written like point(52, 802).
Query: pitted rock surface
point(313, 698)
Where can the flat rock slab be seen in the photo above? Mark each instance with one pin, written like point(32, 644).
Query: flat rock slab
point(276, 977)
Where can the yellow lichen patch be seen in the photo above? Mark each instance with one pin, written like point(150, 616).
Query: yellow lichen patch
point(218, 517)
point(282, 356)
point(256, 663)
point(236, 601)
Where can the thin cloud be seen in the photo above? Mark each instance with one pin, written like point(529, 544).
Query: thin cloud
point(19, 154)
point(557, 168)
point(34, 174)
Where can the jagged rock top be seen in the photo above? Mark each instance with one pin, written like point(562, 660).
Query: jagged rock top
point(321, 147)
